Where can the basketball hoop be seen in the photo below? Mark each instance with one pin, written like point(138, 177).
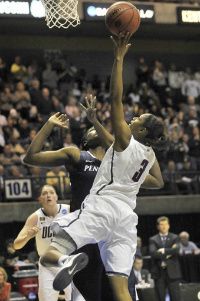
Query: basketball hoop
point(61, 13)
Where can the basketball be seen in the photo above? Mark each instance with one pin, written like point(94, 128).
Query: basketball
point(122, 17)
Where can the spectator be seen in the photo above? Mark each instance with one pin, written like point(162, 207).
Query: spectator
point(68, 140)
point(177, 150)
point(35, 92)
point(139, 278)
point(194, 148)
point(164, 249)
point(140, 250)
point(188, 183)
point(191, 87)
point(186, 246)
point(18, 69)
point(58, 179)
point(142, 72)
point(50, 77)
point(15, 172)
point(3, 71)
point(5, 287)
point(45, 106)
point(37, 179)
point(8, 157)
point(2, 175)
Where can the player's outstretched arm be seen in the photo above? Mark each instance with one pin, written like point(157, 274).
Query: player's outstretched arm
point(35, 156)
point(121, 130)
point(29, 231)
point(154, 180)
point(106, 138)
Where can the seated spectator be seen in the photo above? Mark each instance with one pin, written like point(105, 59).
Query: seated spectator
point(18, 69)
point(188, 183)
point(191, 87)
point(17, 147)
point(140, 251)
point(15, 172)
point(2, 175)
point(8, 157)
point(5, 287)
point(37, 179)
point(50, 77)
point(142, 72)
point(58, 179)
point(194, 148)
point(171, 177)
point(68, 140)
point(187, 246)
point(139, 278)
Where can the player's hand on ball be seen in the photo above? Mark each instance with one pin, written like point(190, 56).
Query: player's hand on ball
point(121, 44)
point(90, 108)
point(60, 120)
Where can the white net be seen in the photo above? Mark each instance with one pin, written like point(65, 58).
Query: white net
point(61, 13)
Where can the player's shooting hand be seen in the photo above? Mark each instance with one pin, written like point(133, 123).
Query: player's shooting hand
point(121, 44)
point(90, 108)
point(60, 120)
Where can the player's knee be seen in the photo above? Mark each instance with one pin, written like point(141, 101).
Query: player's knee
point(122, 295)
point(43, 260)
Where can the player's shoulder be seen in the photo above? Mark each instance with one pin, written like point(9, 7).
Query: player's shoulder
point(32, 219)
point(73, 152)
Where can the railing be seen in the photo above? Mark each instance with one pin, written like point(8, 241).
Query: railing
point(28, 187)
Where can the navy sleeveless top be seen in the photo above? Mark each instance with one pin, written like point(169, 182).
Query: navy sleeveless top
point(82, 178)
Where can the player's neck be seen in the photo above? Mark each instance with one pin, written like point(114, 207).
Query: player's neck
point(51, 210)
point(98, 152)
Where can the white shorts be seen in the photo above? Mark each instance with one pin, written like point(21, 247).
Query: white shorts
point(46, 291)
point(109, 222)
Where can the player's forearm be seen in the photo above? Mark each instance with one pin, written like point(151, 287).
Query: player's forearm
point(20, 242)
point(116, 90)
point(151, 182)
point(105, 137)
point(38, 142)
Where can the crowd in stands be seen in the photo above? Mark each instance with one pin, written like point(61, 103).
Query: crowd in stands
point(29, 94)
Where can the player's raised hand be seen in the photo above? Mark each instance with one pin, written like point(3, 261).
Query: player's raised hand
point(60, 120)
point(121, 44)
point(90, 108)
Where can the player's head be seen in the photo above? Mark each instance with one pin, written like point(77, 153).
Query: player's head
point(91, 139)
point(149, 130)
point(48, 196)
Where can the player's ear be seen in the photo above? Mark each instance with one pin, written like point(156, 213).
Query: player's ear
point(143, 130)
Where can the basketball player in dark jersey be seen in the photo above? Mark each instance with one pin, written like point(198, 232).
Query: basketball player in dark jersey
point(82, 167)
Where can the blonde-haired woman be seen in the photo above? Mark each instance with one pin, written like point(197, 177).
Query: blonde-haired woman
point(5, 286)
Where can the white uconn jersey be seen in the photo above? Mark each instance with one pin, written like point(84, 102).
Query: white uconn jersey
point(45, 235)
point(122, 173)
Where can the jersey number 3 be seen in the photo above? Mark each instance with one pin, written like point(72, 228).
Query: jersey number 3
point(139, 173)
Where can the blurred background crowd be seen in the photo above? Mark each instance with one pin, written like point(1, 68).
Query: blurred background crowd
point(30, 93)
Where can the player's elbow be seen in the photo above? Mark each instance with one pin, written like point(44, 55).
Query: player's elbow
point(16, 245)
point(27, 159)
point(160, 184)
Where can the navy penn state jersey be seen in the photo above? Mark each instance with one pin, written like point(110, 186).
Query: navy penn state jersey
point(82, 177)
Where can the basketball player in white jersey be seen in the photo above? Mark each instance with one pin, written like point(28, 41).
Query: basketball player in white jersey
point(107, 215)
point(38, 225)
